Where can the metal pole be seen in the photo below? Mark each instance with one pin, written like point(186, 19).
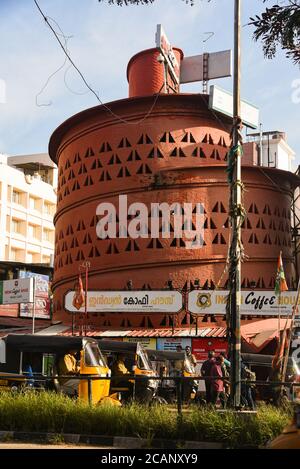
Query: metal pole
point(235, 293)
point(86, 296)
point(33, 307)
point(260, 158)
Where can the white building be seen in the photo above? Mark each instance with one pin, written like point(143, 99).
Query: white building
point(27, 206)
point(272, 150)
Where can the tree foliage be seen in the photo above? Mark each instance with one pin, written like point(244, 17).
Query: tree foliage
point(279, 26)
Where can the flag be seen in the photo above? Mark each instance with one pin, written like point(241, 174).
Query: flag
point(79, 297)
point(279, 354)
point(280, 283)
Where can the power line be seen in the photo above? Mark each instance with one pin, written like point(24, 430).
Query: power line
point(84, 79)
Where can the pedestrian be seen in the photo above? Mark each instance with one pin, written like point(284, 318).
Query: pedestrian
point(191, 357)
point(67, 365)
point(246, 389)
point(217, 383)
point(205, 372)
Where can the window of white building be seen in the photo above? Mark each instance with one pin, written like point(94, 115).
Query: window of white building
point(15, 226)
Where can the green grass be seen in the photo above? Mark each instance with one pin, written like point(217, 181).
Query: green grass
point(51, 412)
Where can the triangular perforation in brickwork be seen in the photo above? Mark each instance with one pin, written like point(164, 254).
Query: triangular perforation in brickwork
point(105, 147)
point(155, 244)
point(71, 175)
point(69, 260)
point(123, 172)
point(80, 256)
point(167, 137)
point(105, 176)
point(253, 209)
point(144, 169)
point(96, 164)
point(227, 223)
point(132, 246)
point(88, 181)
point(267, 210)
point(82, 169)
point(134, 156)
point(112, 249)
point(76, 186)
point(260, 224)
point(114, 160)
point(67, 165)
point(155, 153)
point(66, 192)
point(76, 158)
point(89, 153)
point(80, 226)
point(124, 143)
point(253, 239)
point(69, 230)
point(87, 239)
point(94, 252)
point(144, 139)
point(74, 243)
point(267, 239)
point(178, 152)
point(177, 242)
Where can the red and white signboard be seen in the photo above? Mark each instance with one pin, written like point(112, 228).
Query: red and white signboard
point(163, 44)
point(202, 346)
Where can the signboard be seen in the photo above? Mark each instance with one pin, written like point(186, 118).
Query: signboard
point(170, 343)
point(147, 342)
point(152, 301)
point(42, 300)
point(222, 101)
point(163, 44)
point(219, 65)
point(256, 302)
point(16, 291)
point(201, 347)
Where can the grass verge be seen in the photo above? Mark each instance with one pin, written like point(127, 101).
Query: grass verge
point(51, 412)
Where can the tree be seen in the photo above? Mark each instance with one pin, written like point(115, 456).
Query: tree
point(276, 26)
point(279, 26)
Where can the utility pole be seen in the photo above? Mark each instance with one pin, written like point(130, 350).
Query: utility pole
point(236, 212)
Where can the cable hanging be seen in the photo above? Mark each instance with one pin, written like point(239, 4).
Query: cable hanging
point(85, 81)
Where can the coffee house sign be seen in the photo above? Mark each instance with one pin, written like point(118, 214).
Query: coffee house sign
point(258, 303)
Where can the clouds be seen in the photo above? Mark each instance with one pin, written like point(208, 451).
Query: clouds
point(104, 39)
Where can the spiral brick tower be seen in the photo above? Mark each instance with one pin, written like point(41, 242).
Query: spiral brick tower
point(169, 148)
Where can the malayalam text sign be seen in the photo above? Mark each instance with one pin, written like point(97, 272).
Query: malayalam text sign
point(154, 301)
point(253, 302)
point(16, 291)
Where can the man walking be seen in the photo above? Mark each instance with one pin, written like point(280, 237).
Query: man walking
point(205, 372)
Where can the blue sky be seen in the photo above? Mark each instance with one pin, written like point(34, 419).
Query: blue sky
point(103, 40)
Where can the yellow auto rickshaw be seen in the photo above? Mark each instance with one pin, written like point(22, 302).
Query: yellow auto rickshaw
point(174, 365)
point(31, 361)
point(137, 383)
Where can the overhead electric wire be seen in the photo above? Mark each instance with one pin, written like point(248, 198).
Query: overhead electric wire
point(85, 81)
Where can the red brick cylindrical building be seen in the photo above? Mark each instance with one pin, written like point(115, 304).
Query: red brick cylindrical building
point(166, 149)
